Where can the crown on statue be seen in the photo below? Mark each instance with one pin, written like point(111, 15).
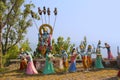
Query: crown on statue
point(46, 24)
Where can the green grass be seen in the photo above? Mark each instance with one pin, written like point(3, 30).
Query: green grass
point(3, 69)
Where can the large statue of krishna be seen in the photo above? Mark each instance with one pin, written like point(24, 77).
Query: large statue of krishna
point(45, 31)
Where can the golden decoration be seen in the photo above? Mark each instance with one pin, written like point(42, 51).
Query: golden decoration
point(43, 50)
point(44, 26)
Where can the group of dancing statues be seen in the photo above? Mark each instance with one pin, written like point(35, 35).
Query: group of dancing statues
point(68, 66)
point(68, 61)
point(45, 48)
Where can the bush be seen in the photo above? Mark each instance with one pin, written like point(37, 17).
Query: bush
point(11, 54)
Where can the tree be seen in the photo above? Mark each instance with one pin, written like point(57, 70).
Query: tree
point(61, 43)
point(14, 21)
point(57, 45)
point(12, 53)
point(26, 45)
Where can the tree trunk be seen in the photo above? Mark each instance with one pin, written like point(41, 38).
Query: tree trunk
point(1, 65)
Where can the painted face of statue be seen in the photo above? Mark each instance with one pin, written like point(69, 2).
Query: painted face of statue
point(74, 52)
point(21, 49)
point(97, 50)
point(81, 47)
point(45, 29)
point(89, 47)
point(45, 33)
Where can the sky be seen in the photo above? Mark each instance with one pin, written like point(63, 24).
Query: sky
point(95, 19)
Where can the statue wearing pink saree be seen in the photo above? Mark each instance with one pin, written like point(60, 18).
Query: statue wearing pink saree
point(30, 66)
point(107, 46)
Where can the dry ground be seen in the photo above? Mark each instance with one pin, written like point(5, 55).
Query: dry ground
point(105, 74)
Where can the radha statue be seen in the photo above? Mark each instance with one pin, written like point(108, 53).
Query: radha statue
point(30, 66)
point(72, 67)
point(98, 60)
point(65, 60)
point(23, 60)
point(110, 56)
point(49, 68)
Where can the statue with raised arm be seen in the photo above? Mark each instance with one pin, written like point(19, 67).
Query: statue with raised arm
point(107, 46)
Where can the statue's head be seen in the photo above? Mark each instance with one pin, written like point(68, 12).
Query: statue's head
point(21, 49)
point(99, 42)
point(97, 50)
point(89, 47)
point(45, 29)
point(105, 43)
point(81, 46)
point(63, 51)
point(73, 50)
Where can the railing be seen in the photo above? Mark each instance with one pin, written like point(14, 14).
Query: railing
point(106, 62)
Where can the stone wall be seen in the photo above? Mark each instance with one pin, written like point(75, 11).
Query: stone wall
point(40, 63)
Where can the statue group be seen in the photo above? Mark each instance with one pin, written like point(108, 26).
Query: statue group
point(45, 32)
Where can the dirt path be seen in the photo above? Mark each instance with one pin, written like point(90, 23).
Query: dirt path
point(14, 74)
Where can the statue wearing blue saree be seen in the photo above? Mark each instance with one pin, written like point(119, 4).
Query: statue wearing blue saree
point(72, 67)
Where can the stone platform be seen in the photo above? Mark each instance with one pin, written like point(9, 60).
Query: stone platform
point(40, 63)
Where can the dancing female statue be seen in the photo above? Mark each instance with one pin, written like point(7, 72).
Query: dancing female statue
point(30, 66)
point(65, 60)
point(107, 46)
point(49, 68)
point(98, 60)
point(23, 60)
point(72, 67)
